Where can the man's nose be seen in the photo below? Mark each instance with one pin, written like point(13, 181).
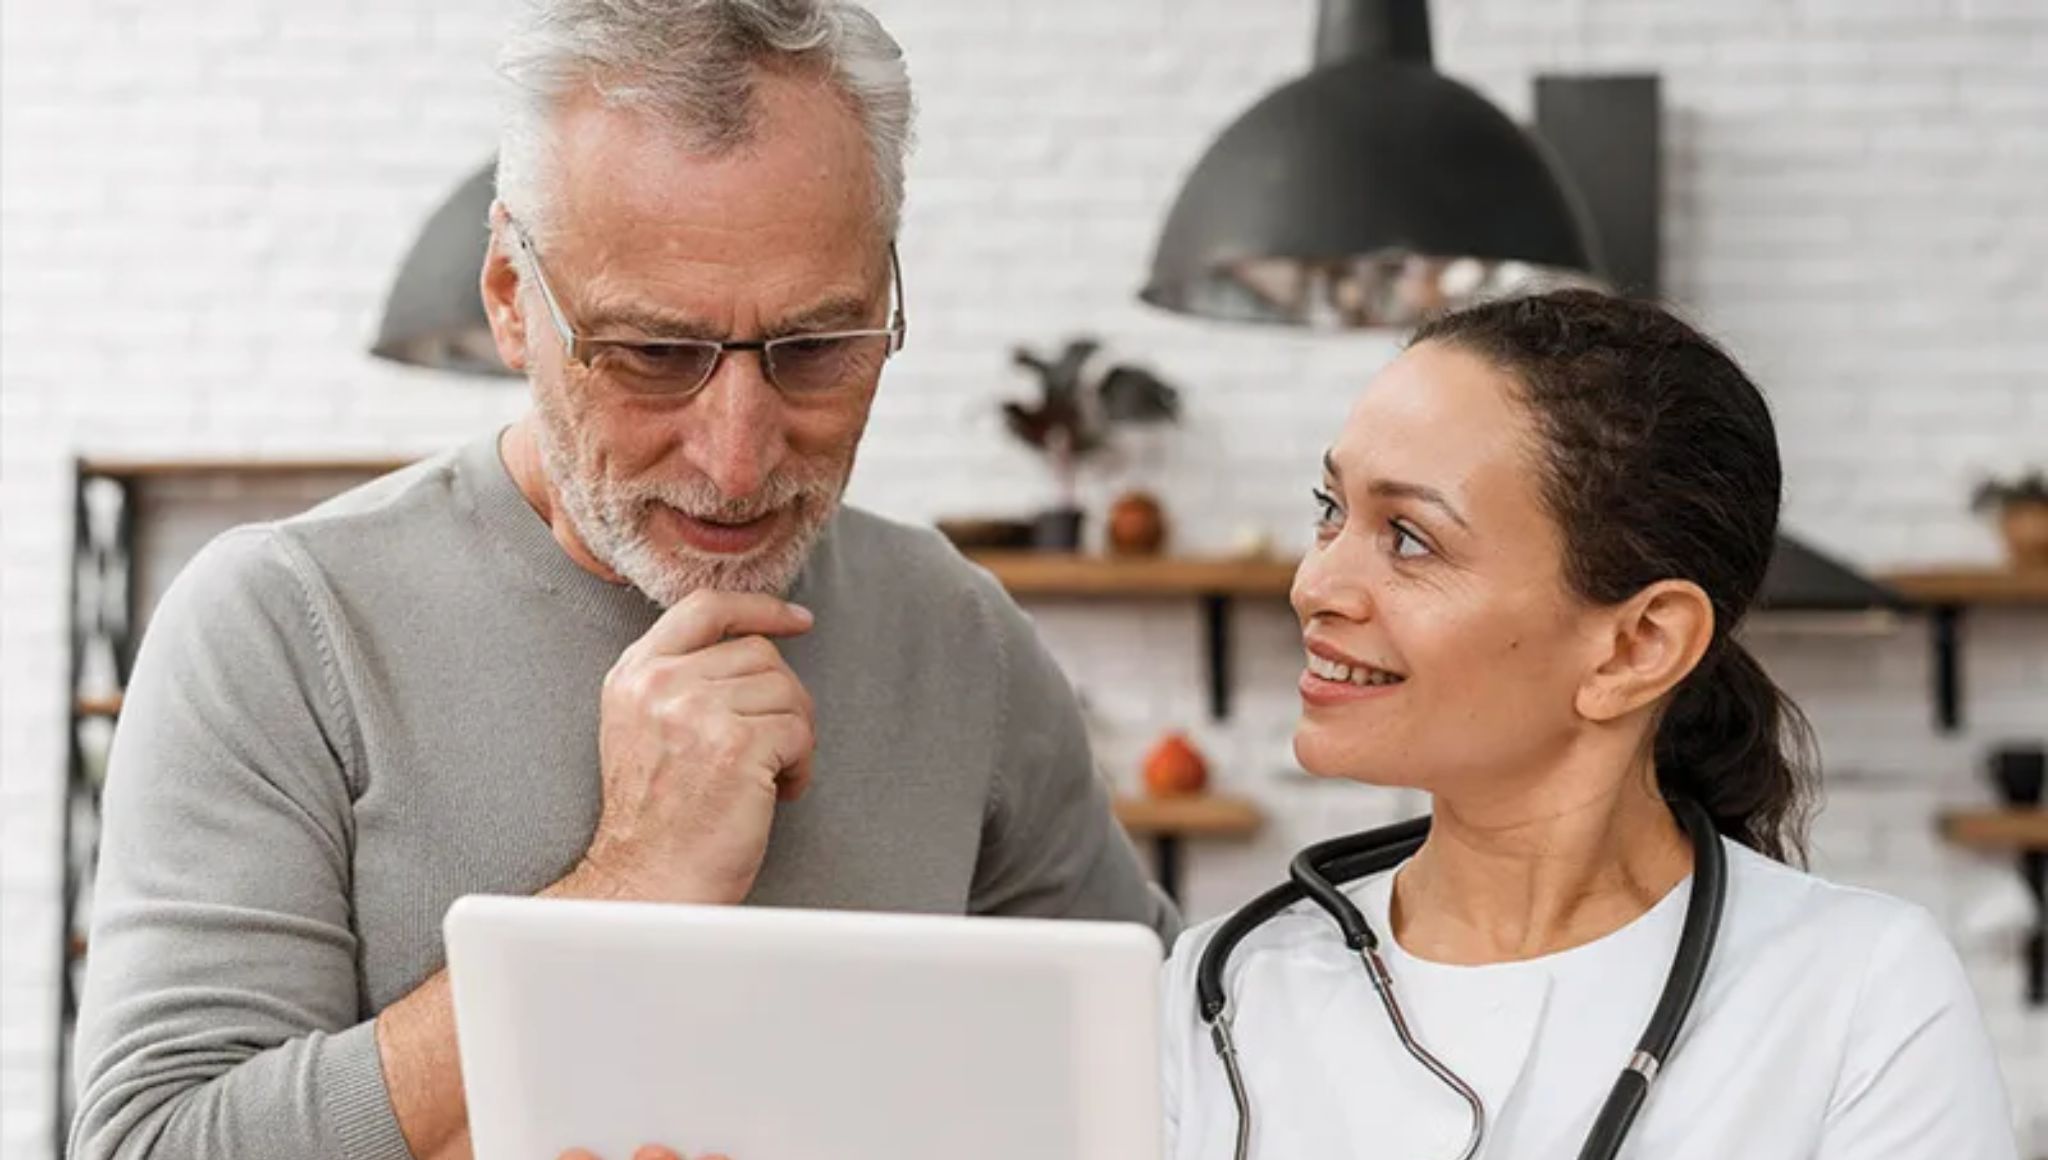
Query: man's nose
point(736, 427)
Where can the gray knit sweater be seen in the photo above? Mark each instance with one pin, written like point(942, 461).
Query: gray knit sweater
point(341, 722)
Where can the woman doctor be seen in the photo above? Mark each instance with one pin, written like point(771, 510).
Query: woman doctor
point(1537, 533)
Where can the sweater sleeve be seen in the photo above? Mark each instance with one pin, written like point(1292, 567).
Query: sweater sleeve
point(1051, 846)
point(222, 1014)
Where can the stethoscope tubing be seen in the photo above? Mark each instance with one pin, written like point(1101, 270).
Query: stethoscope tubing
point(1315, 875)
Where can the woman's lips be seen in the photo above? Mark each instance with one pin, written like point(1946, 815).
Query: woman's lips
point(1321, 691)
point(1333, 678)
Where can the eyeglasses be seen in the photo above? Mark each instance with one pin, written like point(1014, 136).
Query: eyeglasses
point(798, 365)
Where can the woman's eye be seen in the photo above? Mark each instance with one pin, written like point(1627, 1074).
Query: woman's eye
point(1328, 514)
point(1407, 545)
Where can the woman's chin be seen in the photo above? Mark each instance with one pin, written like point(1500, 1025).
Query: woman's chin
point(1323, 755)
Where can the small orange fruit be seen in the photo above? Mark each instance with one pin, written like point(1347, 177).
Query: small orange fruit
point(1175, 768)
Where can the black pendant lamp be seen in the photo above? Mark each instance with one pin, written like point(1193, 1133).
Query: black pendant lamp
point(1368, 193)
point(435, 315)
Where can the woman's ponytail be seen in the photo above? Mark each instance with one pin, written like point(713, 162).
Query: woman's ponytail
point(1733, 742)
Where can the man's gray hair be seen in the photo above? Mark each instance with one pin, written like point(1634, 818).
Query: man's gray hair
point(695, 62)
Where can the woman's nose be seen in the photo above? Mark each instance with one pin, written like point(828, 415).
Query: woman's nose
point(1334, 580)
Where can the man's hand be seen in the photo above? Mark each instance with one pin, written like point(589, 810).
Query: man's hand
point(702, 729)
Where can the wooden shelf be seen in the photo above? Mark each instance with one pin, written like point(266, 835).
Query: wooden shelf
point(2014, 829)
point(1055, 574)
point(99, 706)
point(1947, 594)
point(1195, 816)
point(1215, 581)
point(1975, 586)
point(191, 468)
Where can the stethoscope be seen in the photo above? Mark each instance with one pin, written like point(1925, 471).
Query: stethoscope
point(1314, 875)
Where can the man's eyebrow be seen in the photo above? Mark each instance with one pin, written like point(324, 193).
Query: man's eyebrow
point(842, 312)
point(610, 322)
point(654, 323)
point(1397, 489)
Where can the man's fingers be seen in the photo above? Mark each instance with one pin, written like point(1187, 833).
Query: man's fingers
point(705, 617)
point(732, 658)
point(651, 1152)
point(786, 741)
point(762, 694)
point(793, 784)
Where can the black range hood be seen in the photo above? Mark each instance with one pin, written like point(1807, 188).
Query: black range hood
point(1802, 579)
point(1368, 193)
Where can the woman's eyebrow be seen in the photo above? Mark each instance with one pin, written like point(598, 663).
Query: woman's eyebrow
point(1397, 489)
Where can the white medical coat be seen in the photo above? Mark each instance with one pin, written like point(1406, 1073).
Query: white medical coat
point(1833, 1024)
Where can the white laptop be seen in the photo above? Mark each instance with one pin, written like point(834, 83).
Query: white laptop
point(803, 1035)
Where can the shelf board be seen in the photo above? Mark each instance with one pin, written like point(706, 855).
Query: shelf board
point(1194, 816)
point(1977, 586)
point(193, 468)
point(2012, 829)
point(109, 706)
point(1063, 575)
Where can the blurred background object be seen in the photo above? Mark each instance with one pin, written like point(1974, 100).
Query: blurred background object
point(435, 316)
point(2021, 507)
point(1079, 408)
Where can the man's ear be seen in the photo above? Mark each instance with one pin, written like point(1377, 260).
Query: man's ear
point(1654, 640)
point(500, 284)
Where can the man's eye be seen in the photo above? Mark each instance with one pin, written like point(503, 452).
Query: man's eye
point(659, 368)
point(660, 358)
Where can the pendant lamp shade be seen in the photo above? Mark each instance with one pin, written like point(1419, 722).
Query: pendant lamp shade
point(435, 314)
point(1368, 193)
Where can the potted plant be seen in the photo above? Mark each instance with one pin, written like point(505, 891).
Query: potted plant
point(1071, 421)
point(2022, 507)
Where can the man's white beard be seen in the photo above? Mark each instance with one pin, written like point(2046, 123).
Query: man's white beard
point(611, 519)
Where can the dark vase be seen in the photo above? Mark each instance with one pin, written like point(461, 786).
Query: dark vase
point(1057, 530)
point(2019, 773)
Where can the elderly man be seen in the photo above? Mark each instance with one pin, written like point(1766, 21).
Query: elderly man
point(560, 660)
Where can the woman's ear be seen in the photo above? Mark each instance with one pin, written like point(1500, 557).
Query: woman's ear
point(1653, 641)
point(499, 285)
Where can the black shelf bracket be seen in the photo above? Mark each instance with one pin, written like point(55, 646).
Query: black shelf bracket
point(1946, 623)
point(1216, 618)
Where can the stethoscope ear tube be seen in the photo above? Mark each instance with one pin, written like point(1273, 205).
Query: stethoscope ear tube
point(1616, 1116)
point(1344, 859)
point(1313, 876)
point(1703, 908)
point(1306, 871)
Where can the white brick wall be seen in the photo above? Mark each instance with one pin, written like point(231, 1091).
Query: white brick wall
point(203, 203)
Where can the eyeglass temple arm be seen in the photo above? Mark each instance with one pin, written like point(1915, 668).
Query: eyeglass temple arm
point(898, 325)
point(572, 344)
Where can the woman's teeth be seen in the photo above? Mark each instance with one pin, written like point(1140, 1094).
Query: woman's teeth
point(1331, 670)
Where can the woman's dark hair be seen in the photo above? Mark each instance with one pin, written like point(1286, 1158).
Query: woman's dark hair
point(1661, 463)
